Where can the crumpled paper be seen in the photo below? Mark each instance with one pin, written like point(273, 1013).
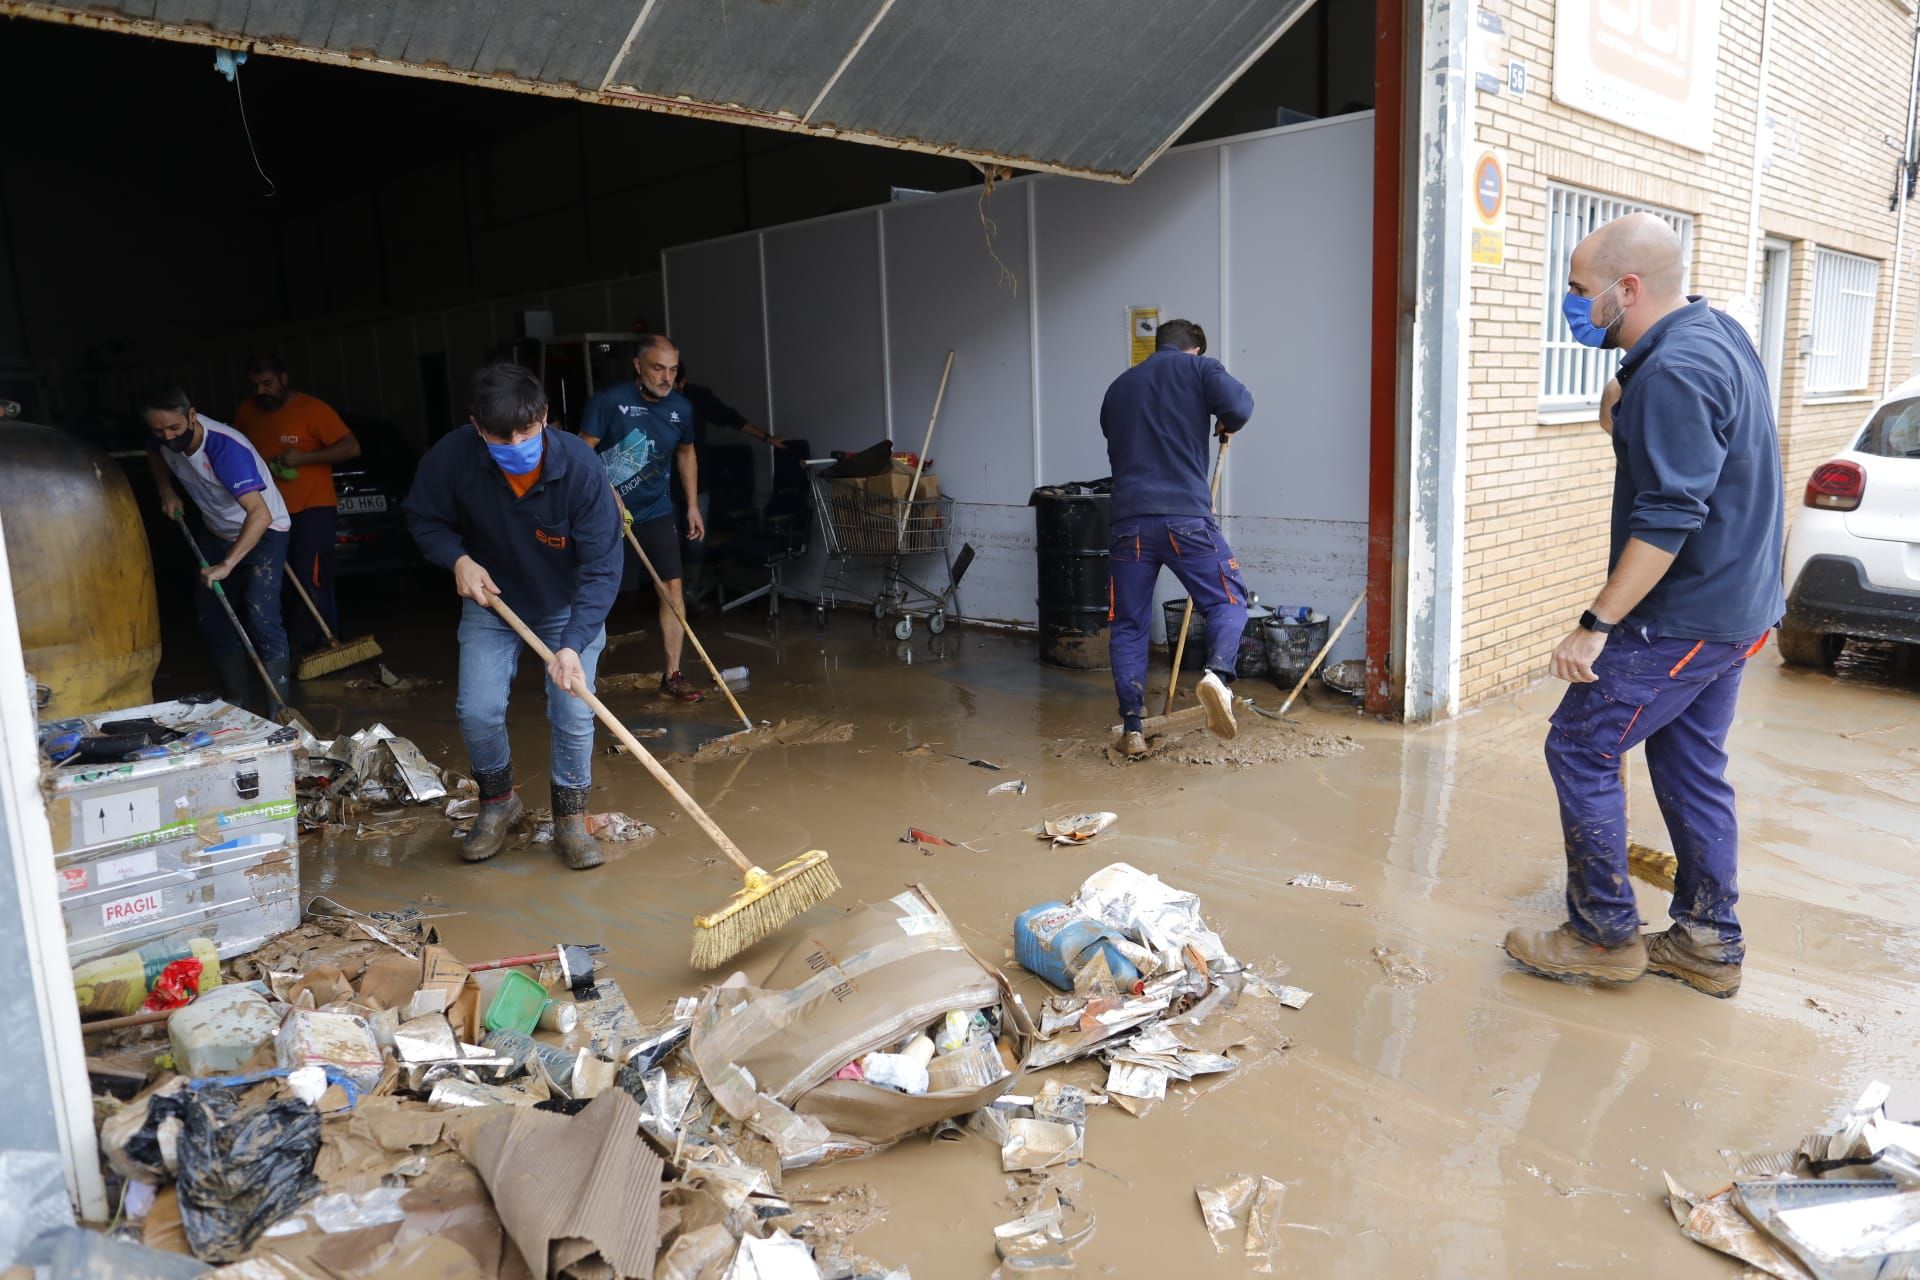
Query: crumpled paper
point(1244, 1210)
point(1078, 829)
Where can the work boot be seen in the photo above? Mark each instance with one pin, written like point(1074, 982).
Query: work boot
point(1673, 954)
point(1132, 744)
point(677, 687)
point(231, 671)
point(1562, 953)
point(1218, 700)
point(500, 812)
point(278, 671)
point(570, 837)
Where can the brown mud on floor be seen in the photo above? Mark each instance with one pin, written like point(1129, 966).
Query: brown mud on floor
point(1259, 741)
point(1480, 1122)
point(801, 731)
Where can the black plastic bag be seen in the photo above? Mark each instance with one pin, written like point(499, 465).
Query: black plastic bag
point(243, 1170)
point(143, 1148)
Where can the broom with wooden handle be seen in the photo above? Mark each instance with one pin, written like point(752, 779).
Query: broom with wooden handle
point(767, 900)
point(338, 654)
point(1186, 619)
point(660, 588)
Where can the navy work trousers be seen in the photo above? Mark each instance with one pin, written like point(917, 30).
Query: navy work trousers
point(1677, 696)
point(1194, 548)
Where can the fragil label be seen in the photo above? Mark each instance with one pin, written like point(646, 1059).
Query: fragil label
point(122, 912)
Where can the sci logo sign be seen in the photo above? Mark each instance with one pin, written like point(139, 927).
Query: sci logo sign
point(123, 912)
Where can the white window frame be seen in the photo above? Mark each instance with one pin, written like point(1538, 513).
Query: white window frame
point(1572, 376)
point(1846, 295)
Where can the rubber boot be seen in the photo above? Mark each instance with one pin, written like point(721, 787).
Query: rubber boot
point(570, 837)
point(500, 812)
point(282, 687)
point(230, 668)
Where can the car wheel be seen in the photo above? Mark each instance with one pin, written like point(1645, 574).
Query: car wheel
point(1815, 649)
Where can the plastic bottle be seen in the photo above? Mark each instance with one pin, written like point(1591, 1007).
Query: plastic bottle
point(1054, 941)
point(523, 1049)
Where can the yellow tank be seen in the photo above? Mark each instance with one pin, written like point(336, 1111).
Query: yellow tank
point(82, 574)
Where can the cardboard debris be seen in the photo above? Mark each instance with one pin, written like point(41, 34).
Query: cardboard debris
point(1040, 1144)
point(1242, 1215)
point(1078, 829)
point(778, 1257)
point(573, 1189)
point(1310, 880)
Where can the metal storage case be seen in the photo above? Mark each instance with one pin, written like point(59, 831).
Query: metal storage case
point(202, 843)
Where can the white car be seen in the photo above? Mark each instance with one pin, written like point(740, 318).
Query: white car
point(1853, 555)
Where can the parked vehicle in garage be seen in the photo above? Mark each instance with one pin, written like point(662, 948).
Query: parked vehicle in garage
point(372, 534)
point(1853, 556)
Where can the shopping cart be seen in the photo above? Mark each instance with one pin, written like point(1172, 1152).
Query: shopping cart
point(860, 525)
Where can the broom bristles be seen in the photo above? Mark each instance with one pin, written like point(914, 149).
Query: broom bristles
point(338, 657)
point(755, 913)
point(1656, 867)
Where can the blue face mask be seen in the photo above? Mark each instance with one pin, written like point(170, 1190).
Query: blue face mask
point(1579, 314)
point(518, 459)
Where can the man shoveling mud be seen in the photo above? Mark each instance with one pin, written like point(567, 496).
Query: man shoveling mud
point(1693, 589)
point(1155, 418)
point(524, 513)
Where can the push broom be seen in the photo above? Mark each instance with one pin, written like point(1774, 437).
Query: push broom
point(660, 588)
point(767, 900)
point(338, 654)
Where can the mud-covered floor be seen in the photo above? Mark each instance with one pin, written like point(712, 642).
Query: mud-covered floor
point(1479, 1123)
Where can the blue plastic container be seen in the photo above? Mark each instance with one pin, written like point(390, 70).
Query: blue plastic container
point(1056, 941)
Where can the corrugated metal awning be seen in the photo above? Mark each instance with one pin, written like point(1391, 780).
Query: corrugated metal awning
point(1096, 88)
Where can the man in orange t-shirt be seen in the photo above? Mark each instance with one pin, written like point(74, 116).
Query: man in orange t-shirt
point(301, 438)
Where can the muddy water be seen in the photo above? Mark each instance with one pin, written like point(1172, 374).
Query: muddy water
point(1480, 1123)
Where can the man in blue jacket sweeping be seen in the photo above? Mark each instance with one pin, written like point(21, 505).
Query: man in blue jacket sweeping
point(1692, 589)
point(1156, 419)
point(522, 512)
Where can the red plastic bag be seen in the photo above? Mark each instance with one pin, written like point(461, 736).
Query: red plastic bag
point(177, 985)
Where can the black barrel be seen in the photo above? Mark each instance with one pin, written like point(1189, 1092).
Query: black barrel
point(1070, 535)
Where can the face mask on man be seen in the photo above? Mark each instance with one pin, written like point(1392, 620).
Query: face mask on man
point(1579, 314)
point(518, 459)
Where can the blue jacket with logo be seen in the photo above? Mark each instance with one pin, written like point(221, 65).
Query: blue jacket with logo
point(1697, 474)
point(636, 437)
point(555, 551)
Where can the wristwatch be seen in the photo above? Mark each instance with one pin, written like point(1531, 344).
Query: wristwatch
point(1590, 622)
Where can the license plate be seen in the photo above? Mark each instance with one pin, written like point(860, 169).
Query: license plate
point(361, 503)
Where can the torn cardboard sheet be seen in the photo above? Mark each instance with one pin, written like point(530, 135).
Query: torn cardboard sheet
point(1242, 1215)
point(1040, 1144)
point(569, 1189)
point(778, 1257)
point(1077, 829)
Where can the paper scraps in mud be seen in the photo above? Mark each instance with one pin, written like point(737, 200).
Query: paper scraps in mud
point(355, 772)
point(384, 679)
point(924, 839)
point(805, 731)
point(1052, 1223)
point(1400, 970)
point(1311, 880)
point(1017, 787)
point(1078, 829)
point(1243, 1216)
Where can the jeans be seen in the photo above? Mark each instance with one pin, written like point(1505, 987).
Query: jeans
point(1677, 696)
point(1194, 548)
point(253, 588)
point(489, 655)
point(310, 545)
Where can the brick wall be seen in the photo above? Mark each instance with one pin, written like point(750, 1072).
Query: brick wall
point(1538, 487)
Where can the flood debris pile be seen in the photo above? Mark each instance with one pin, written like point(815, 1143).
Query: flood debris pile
point(373, 771)
point(1842, 1205)
point(355, 1099)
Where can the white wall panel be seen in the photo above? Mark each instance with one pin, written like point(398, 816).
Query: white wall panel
point(823, 313)
point(712, 309)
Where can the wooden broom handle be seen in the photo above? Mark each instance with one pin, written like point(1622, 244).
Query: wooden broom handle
point(1324, 650)
point(632, 744)
point(661, 589)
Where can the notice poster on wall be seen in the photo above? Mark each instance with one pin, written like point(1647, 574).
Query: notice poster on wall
point(1647, 64)
point(1143, 328)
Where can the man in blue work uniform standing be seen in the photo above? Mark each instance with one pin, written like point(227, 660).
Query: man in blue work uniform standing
point(1156, 419)
point(522, 512)
point(644, 432)
point(1694, 587)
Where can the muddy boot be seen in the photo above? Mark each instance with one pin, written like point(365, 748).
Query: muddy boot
point(1562, 953)
point(1218, 700)
point(570, 837)
point(1132, 744)
point(1673, 954)
point(500, 812)
point(282, 686)
point(231, 671)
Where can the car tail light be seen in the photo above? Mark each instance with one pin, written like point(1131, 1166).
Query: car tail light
point(1836, 486)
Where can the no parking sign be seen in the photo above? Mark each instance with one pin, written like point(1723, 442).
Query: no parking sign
point(1489, 244)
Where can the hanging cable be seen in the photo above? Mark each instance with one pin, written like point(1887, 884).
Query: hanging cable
point(227, 63)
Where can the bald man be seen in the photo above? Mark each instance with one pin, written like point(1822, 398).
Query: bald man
point(1692, 589)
